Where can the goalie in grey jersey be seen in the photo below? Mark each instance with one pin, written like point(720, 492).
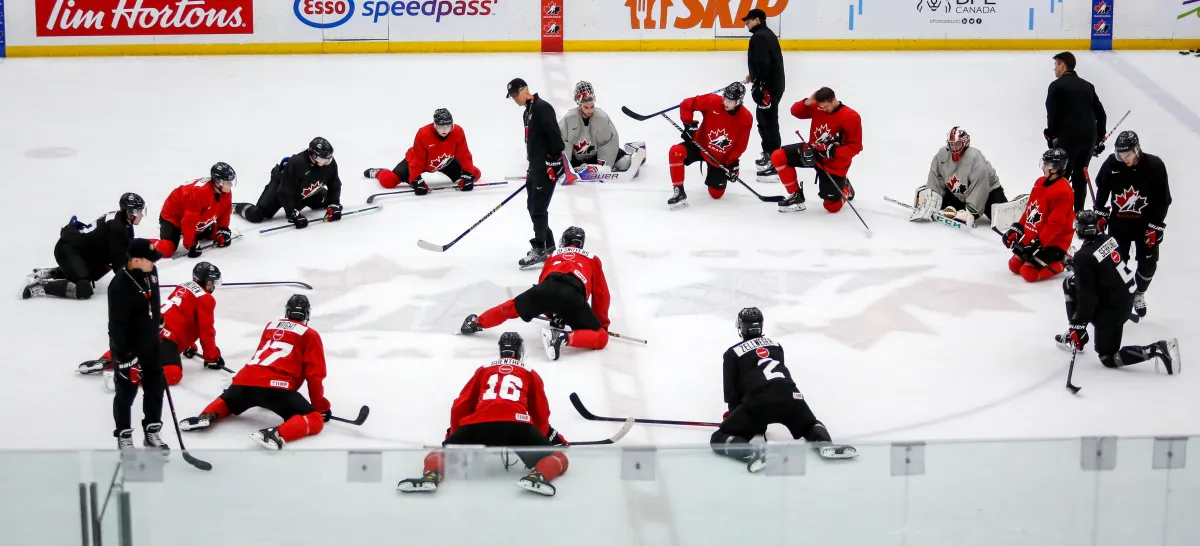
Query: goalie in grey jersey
point(590, 138)
point(962, 184)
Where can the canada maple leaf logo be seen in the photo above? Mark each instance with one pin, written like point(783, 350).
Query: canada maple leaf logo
point(719, 139)
point(821, 134)
point(1129, 201)
point(1033, 216)
point(583, 148)
point(1103, 8)
point(956, 186)
point(311, 189)
point(441, 162)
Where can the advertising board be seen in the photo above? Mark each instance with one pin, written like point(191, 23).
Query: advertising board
point(143, 17)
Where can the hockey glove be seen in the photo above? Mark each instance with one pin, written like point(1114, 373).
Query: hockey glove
point(214, 364)
point(466, 182)
point(734, 169)
point(761, 96)
point(689, 131)
point(1014, 235)
point(223, 238)
point(826, 150)
point(325, 415)
point(556, 438)
point(1103, 214)
point(1076, 337)
point(128, 367)
point(76, 225)
point(1048, 255)
point(194, 252)
point(965, 217)
point(1099, 149)
point(333, 213)
point(297, 219)
point(1026, 252)
point(1154, 234)
point(554, 167)
point(419, 186)
point(190, 352)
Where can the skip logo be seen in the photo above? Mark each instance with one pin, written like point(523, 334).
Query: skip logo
point(685, 14)
point(719, 139)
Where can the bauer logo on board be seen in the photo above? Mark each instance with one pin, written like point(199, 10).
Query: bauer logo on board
point(683, 14)
point(335, 13)
point(143, 17)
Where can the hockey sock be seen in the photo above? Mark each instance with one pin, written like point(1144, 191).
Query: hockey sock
point(1033, 273)
point(497, 315)
point(552, 466)
point(787, 174)
point(588, 339)
point(387, 179)
point(676, 157)
point(218, 407)
point(173, 373)
point(167, 248)
point(299, 426)
point(59, 289)
point(1014, 265)
point(833, 206)
point(434, 462)
point(1143, 282)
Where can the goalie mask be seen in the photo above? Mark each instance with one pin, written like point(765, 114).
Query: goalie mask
point(957, 141)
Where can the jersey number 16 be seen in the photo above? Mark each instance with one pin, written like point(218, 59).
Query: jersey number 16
point(510, 388)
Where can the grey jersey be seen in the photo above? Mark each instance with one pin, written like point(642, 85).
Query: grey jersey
point(595, 141)
point(969, 179)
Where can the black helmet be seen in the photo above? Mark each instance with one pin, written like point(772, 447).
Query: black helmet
point(1087, 224)
point(750, 323)
point(442, 116)
point(132, 203)
point(222, 172)
point(205, 273)
point(1126, 141)
point(1056, 159)
point(573, 236)
point(512, 346)
point(298, 308)
point(735, 91)
point(319, 147)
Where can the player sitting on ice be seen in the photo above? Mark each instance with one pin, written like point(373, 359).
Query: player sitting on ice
point(439, 154)
point(590, 137)
point(504, 404)
point(306, 179)
point(962, 184)
point(1039, 240)
point(569, 277)
point(1100, 293)
point(723, 136)
point(198, 210)
point(289, 353)
point(187, 318)
point(85, 253)
point(834, 138)
point(760, 391)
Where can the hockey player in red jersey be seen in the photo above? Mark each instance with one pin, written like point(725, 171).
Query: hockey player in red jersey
point(834, 138)
point(440, 147)
point(504, 404)
point(569, 277)
point(1040, 239)
point(724, 134)
point(289, 354)
point(187, 318)
point(198, 210)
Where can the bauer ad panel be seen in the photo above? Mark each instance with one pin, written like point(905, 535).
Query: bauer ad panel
point(928, 20)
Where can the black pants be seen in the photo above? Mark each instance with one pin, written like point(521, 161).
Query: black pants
point(1078, 159)
point(751, 419)
point(1130, 235)
point(539, 190)
point(562, 296)
point(452, 170)
point(268, 203)
point(995, 197)
point(282, 402)
point(1108, 325)
point(505, 434)
point(829, 186)
point(153, 383)
point(716, 177)
point(768, 123)
point(74, 278)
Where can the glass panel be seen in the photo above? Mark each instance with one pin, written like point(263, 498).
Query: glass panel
point(108, 479)
point(1183, 501)
point(1131, 499)
point(39, 497)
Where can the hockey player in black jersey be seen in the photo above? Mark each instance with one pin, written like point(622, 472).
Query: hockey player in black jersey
point(1140, 196)
point(760, 391)
point(307, 179)
point(1099, 293)
point(87, 252)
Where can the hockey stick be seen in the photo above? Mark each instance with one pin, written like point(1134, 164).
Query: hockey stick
point(202, 465)
point(442, 248)
point(611, 334)
point(1070, 372)
point(842, 191)
point(371, 198)
point(1086, 175)
point(236, 235)
point(321, 219)
point(1035, 258)
point(610, 440)
point(939, 217)
point(575, 401)
point(297, 284)
point(645, 117)
point(362, 417)
point(729, 173)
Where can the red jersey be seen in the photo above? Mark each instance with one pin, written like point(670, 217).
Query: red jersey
point(842, 127)
point(1049, 216)
point(503, 391)
point(724, 135)
point(188, 316)
point(431, 152)
point(289, 354)
point(195, 207)
point(582, 265)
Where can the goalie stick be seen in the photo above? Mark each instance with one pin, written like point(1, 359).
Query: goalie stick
point(644, 117)
point(610, 440)
point(937, 216)
point(583, 411)
point(729, 173)
point(297, 284)
point(321, 219)
point(236, 235)
point(202, 465)
point(371, 198)
point(442, 248)
point(362, 417)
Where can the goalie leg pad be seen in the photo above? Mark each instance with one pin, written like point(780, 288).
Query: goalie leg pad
point(1007, 214)
point(928, 203)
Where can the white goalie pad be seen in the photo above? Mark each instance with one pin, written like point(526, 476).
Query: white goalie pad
point(1007, 214)
point(928, 204)
point(632, 163)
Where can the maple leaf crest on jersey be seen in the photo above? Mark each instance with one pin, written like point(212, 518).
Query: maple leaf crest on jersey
point(311, 189)
point(822, 134)
point(441, 162)
point(1034, 217)
point(719, 139)
point(584, 147)
point(205, 224)
point(1129, 201)
point(956, 186)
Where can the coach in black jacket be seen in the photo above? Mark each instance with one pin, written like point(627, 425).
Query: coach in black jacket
point(1075, 122)
point(544, 150)
point(765, 62)
point(134, 320)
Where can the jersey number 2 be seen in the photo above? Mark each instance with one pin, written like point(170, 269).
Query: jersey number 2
point(1126, 275)
point(768, 365)
point(510, 388)
point(271, 351)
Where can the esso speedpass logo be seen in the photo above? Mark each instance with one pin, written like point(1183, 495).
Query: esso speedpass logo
point(324, 13)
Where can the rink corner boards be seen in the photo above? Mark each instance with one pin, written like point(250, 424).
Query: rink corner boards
point(534, 46)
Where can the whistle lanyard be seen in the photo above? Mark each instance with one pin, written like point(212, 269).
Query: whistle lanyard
point(145, 293)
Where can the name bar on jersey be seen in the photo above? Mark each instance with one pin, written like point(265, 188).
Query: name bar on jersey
point(754, 344)
point(571, 250)
point(289, 326)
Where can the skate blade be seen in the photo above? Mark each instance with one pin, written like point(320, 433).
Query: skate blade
point(262, 441)
point(837, 452)
point(793, 208)
point(756, 465)
point(548, 343)
point(184, 427)
point(767, 179)
point(412, 487)
point(543, 489)
point(1176, 361)
point(679, 205)
point(110, 380)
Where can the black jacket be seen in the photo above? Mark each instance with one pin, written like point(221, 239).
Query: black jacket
point(754, 373)
point(103, 246)
point(765, 60)
point(134, 318)
point(1102, 286)
point(299, 178)
point(542, 137)
point(1074, 114)
point(1139, 193)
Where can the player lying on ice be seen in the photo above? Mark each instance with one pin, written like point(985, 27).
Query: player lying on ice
point(1039, 240)
point(439, 154)
point(590, 140)
point(962, 184)
point(503, 405)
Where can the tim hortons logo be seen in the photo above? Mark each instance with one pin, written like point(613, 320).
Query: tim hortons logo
point(143, 17)
point(657, 14)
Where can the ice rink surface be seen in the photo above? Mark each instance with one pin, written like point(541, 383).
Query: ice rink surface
point(919, 332)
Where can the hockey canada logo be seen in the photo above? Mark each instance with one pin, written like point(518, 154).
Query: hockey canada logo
point(821, 135)
point(1129, 202)
point(1103, 8)
point(719, 139)
point(933, 5)
point(1034, 217)
point(584, 148)
point(552, 28)
point(441, 162)
point(311, 189)
point(205, 224)
point(956, 186)
point(1101, 28)
point(553, 9)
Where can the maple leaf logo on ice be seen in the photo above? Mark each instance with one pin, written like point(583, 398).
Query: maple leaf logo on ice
point(1128, 201)
point(956, 186)
point(719, 139)
point(1034, 216)
point(584, 148)
point(441, 162)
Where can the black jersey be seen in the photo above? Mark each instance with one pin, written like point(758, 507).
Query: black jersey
point(542, 137)
point(1103, 281)
point(1138, 193)
point(299, 178)
point(102, 245)
point(754, 372)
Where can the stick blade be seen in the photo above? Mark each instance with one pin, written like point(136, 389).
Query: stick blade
point(430, 246)
point(633, 114)
point(772, 198)
point(362, 415)
point(575, 401)
point(370, 199)
point(202, 465)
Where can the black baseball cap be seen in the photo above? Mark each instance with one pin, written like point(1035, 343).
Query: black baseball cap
point(515, 85)
point(141, 248)
point(755, 14)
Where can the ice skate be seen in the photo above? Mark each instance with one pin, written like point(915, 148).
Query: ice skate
point(536, 483)
point(240, 209)
point(553, 341)
point(268, 438)
point(152, 438)
point(1139, 305)
point(835, 451)
point(35, 289)
point(425, 484)
point(370, 173)
point(793, 203)
point(533, 258)
point(94, 366)
point(110, 379)
point(470, 326)
point(763, 161)
point(1168, 354)
point(43, 274)
point(757, 460)
point(203, 421)
point(678, 199)
point(125, 440)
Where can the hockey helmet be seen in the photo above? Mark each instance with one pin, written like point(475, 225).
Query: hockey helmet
point(584, 92)
point(734, 92)
point(207, 276)
point(1056, 160)
point(298, 308)
point(749, 323)
point(222, 172)
point(1088, 224)
point(442, 117)
point(1126, 141)
point(132, 203)
point(512, 346)
point(320, 148)
point(573, 236)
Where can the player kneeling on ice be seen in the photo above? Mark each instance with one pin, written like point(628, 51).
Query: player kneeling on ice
point(503, 405)
point(723, 134)
point(198, 210)
point(307, 179)
point(569, 277)
point(1100, 293)
point(760, 391)
point(1039, 240)
point(440, 147)
point(962, 184)
point(187, 318)
point(289, 354)
point(834, 138)
point(85, 253)
point(590, 138)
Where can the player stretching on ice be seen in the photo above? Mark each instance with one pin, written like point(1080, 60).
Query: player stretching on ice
point(307, 179)
point(198, 210)
point(962, 183)
point(289, 354)
point(591, 138)
point(569, 277)
point(724, 134)
point(834, 138)
point(439, 152)
point(85, 253)
point(760, 391)
point(504, 404)
point(1039, 240)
